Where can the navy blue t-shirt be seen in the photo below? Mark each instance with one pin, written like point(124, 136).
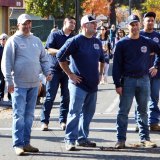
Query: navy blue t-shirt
point(155, 36)
point(56, 40)
point(132, 57)
point(85, 55)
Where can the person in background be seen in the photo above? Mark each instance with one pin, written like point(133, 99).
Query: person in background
point(54, 42)
point(106, 45)
point(112, 35)
point(154, 111)
point(119, 35)
point(55, 28)
point(131, 67)
point(23, 59)
point(85, 73)
point(3, 40)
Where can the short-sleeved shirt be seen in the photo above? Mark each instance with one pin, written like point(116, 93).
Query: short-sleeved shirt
point(56, 40)
point(85, 55)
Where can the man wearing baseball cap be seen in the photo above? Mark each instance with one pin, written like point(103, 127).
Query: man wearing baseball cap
point(85, 53)
point(23, 59)
point(154, 111)
point(131, 68)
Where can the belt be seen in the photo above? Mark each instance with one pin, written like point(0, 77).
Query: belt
point(136, 76)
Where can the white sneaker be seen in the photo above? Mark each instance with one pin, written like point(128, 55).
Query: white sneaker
point(70, 147)
point(19, 151)
point(44, 127)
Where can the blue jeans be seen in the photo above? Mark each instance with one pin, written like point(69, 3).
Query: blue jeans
point(81, 110)
point(154, 111)
point(59, 79)
point(23, 104)
point(140, 89)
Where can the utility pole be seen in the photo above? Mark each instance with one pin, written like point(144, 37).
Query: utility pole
point(77, 15)
point(130, 3)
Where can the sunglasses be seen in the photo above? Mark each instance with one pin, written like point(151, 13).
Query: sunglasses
point(102, 29)
point(3, 39)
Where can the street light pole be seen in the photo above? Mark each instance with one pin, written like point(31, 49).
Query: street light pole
point(77, 14)
point(130, 7)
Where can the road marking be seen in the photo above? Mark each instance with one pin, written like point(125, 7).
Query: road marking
point(113, 105)
point(59, 129)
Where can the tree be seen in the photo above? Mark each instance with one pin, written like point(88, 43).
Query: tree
point(152, 5)
point(55, 8)
point(97, 7)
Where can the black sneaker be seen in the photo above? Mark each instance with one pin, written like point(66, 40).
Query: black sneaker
point(86, 144)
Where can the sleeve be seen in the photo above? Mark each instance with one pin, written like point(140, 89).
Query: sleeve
point(156, 49)
point(44, 61)
point(67, 49)
point(117, 65)
point(7, 63)
point(51, 40)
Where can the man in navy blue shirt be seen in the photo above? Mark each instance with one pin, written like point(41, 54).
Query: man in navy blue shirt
point(85, 53)
point(154, 111)
point(54, 43)
point(131, 68)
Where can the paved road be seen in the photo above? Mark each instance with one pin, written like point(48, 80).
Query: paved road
point(103, 131)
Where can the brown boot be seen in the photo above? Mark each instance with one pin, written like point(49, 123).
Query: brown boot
point(154, 127)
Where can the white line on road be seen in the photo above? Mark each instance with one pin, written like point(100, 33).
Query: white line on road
point(113, 105)
point(59, 129)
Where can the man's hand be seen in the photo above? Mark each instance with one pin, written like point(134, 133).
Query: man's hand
point(75, 78)
point(11, 88)
point(49, 77)
point(119, 90)
point(153, 71)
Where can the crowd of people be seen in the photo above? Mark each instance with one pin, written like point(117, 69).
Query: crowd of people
point(78, 64)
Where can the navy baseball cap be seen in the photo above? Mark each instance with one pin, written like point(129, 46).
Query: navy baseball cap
point(133, 18)
point(149, 14)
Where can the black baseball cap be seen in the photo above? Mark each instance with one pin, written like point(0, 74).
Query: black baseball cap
point(133, 18)
point(149, 14)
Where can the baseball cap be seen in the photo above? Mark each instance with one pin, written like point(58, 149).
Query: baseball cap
point(23, 18)
point(3, 36)
point(149, 14)
point(88, 19)
point(133, 18)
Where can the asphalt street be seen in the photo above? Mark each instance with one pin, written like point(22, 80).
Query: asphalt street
point(103, 132)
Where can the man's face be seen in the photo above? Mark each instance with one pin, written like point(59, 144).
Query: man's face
point(148, 23)
point(70, 24)
point(91, 27)
point(3, 41)
point(25, 28)
point(134, 28)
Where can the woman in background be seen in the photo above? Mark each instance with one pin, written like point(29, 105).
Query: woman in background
point(103, 36)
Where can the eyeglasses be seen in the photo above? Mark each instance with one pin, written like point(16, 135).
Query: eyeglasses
point(3, 39)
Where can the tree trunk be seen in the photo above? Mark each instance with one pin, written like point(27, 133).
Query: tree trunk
point(113, 14)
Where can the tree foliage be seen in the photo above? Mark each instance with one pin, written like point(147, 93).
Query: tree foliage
point(152, 5)
point(56, 8)
point(97, 7)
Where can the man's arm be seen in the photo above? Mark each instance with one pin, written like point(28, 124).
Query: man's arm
point(52, 51)
point(72, 76)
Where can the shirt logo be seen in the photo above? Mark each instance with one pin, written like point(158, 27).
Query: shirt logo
point(155, 39)
point(143, 49)
point(96, 46)
point(22, 45)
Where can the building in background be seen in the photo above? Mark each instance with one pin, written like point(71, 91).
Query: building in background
point(5, 13)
